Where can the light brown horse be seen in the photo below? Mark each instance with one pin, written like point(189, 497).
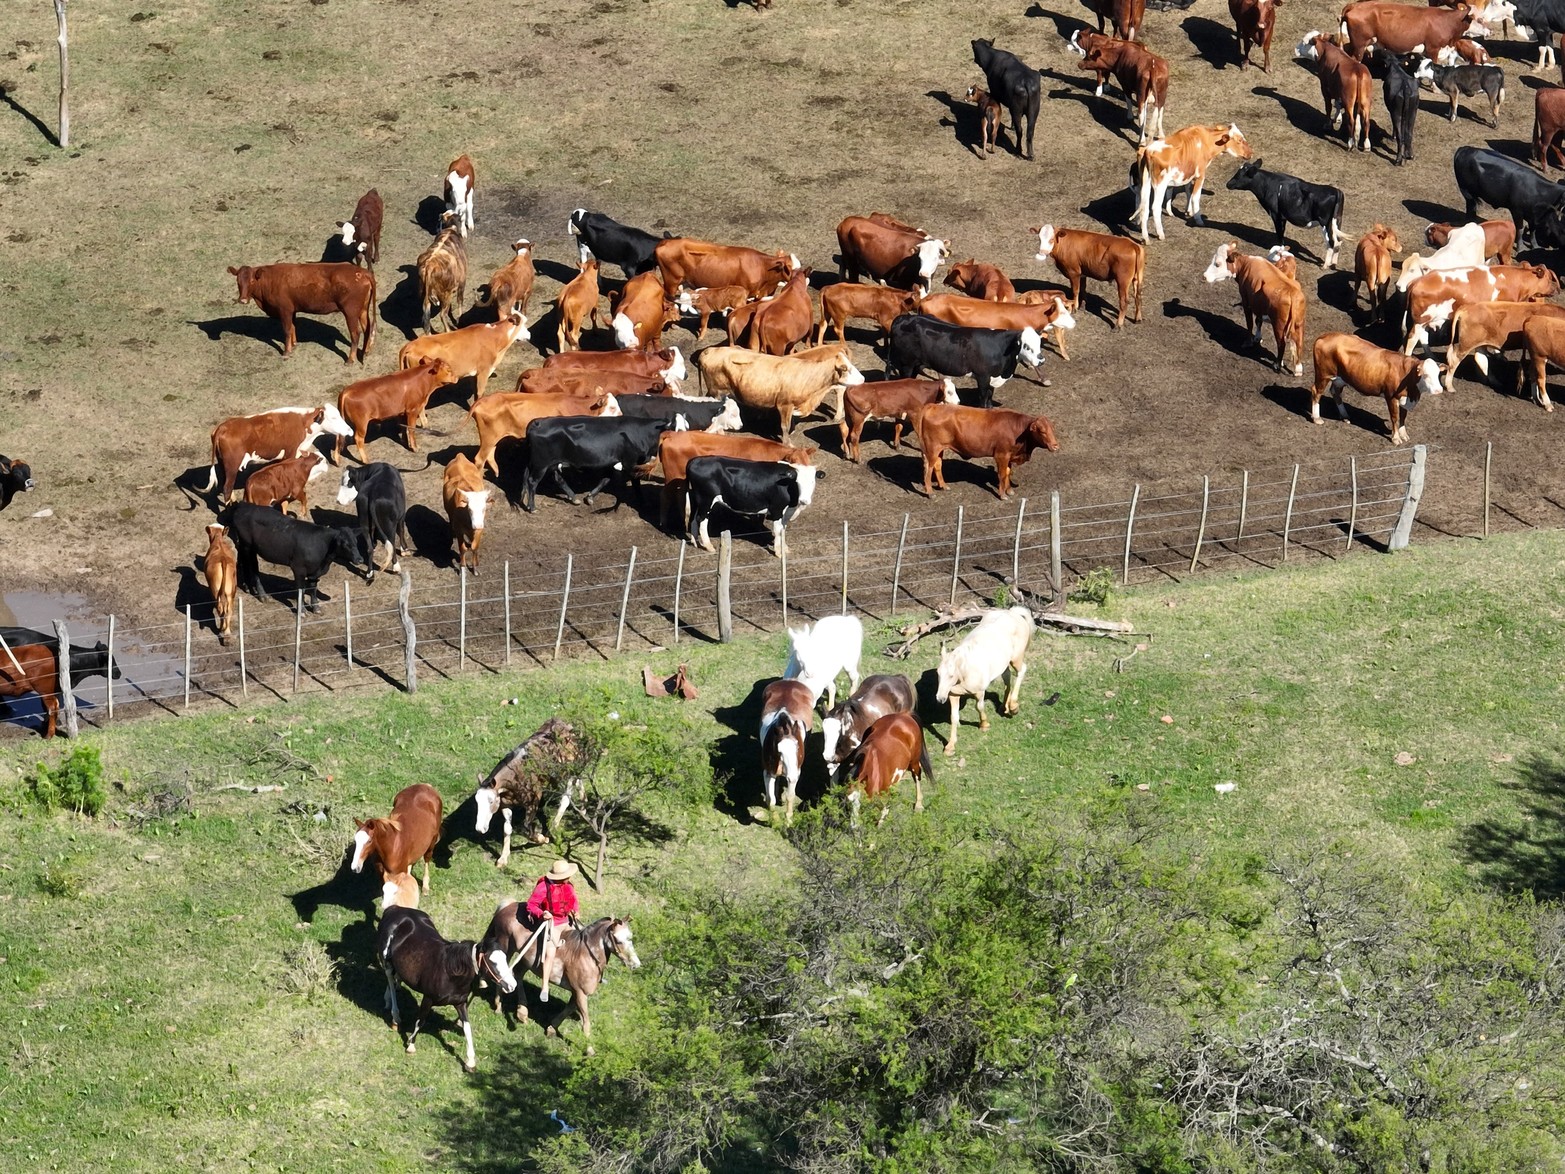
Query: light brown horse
point(579, 961)
point(409, 833)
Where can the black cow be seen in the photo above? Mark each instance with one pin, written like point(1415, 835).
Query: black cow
point(701, 415)
point(774, 490)
point(1014, 84)
point(919, 343)
point(613, 243)
point(1485, 176)
point(1290, 200)
point(377, 492)
point(15, 477)
point(1455, 80)
point(304, 548)
point(615, 445)
point(1401, 92)
point(411, 949)
point(85, 661)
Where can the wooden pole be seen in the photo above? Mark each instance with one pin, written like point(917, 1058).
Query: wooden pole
point(782, 558)
point(565, 600)
point(624, 600)
point(1488, 459)
point(65, 75)
point(956, 555)
point(1200, 534)
point(1244, 504)
point(409, 634)
point(1016, 545)
point(505, 588)
point(1353, 510)
point(1287, 520)
point(679, 580)
point(298, 634)
point(461, 620)
point(63, 670)
point(244, 673)
point(844, 566)
point(1055, 572)
point(1415, 493)
point(896, 575)
point(725, 566)
point(347, 617)
point(187, 656)
point(1130, 529)
point(109, 682)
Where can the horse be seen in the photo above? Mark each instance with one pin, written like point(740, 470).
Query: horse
point(407, 834)
point(579, 961)
point(33, 667)
point(399, 890)
point(787, 713)
point(845, 723)
point(816, 655)
point(892, 747)
point(410, 948)
point(998, 643)
point(522, 779)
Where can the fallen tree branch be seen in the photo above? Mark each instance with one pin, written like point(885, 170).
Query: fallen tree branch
point(261, 790)
point(955, 617)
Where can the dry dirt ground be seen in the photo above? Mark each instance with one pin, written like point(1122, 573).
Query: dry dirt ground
point(213, 134)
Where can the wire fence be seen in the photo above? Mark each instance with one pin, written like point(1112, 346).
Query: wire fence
point(570, 605)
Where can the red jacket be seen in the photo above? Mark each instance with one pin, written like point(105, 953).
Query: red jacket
point(556, 897)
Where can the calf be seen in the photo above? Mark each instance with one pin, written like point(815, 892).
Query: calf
point(34, 667)
point(377, 494)
point(1548, 120)
point(1543, 342)
point(699, 415)
point(1264, 292)
point(1372, 266)
point(919, 342)
point(401, 395)
point(306, 549)
point(466, 499)
point(460, 185)
point(787, 713)
point(1143, 80)
point(988, 118)
point(1180, 159)
point(978, 280)
point(1254, 23)
point(267, 436)
point(1009, 438)
point(1401, 94)
point(846, 300)
point(1463, 49)
point(617, 448)
point(220, 566)
point(283, 481)
point(1079, 253)
point(475, 350)
point(782, 322)
point(442, 272)
point(776, 491)
point(1345, 86)
point(901, 401)
point(362, 233)
point(720, 300)
point(16, 476)
point(283, 291)
point(1499, 238)
point(576, 301)
point(1486, 176)
point(1014, 85)
point(602, 238)
point(511, 287)
point(1455, 80)
point(590, 381)
point(1127, 16)
point(1346, 360)
point(1290, 200)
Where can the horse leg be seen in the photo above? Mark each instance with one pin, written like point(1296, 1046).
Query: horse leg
point(983, 718)
point(579, 1001)
point(956, 721)
point(471, 1063)
point(1012, 699)
point(391, 995)
point(918, 787)
point(505, 843)
point(429, 855)
point(423, 1012)
point(853, 802)
point(769, 785)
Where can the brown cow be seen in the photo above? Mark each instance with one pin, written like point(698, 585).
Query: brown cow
point(1491, 326)
point(901, 401)
point(576, 301)
point(511, 287)
point(1548, 120)
point(1499, 238)
point(704, 303)
point(509, 412)
point(1006, 436)
point(1078, 253)
point(1432, 298)
point(313, 288)
point(1182, 158)
point(362, 233)
point(590, 382)
point(1265, 291)
point(286, 480)
point(846, 300)
point(1142, 76)
point(677, 449)
point(1461, 50)
point(778, 324)
point(1346, 86)
point(988, 119)
point(979, 280)
point(460, 184)
point(401, 395)
point(1345, 359)
point(1043, 315)
point(1254, 23)
point(696, 263)
point(1406, 28)
point(668, 362)
point(475, 350)
point(466, 499)
point(221, 568)
point(887, 251)
point(642, 312)
point(1372, 266)
point(1543, 342)
point(267, 436)
point(442, 272)
point(1127, 16)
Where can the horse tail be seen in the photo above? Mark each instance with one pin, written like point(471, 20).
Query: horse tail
point(924, 764)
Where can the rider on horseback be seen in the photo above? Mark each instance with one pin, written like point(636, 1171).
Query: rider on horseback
point(551, 906)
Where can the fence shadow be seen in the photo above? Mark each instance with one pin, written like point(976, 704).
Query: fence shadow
point(1524, 852)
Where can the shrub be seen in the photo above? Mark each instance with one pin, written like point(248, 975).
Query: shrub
point(77, 783)
point(1096, 588)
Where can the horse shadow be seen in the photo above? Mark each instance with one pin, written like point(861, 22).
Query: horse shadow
point(964, 120)
point(513, 1076)
point(259, 327)
point(403, 307)
point(428, 213)
point(1303, 116)
point(1214, 42)
point(736, 760)
point(360, 980)
point(1524, 852)
point(343, 889)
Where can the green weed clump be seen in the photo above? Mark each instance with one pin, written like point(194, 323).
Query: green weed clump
point(1095, 588)
point(76, 784)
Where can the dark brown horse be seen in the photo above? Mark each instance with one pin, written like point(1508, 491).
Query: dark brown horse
point(893, 747)
point(846, 722)
point(579, 962)
point(409, 833)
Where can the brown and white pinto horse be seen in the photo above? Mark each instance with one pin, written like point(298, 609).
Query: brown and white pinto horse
point(892, 747)
point(579, 961)
point(787, 713)
point(409, 833)
point(846, 722)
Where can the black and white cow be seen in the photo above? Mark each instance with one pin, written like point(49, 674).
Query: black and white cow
point(1014, 84)
point(1455, 80)
point(613, 243)
point(15, 477)
point(919, 343)
point(1288, 199)
point(616, 446)
point(700, 415)
point(1540, 20)
point(377, 493)
point(1485, 176)
point(304, 548)
point(774, 490)
point(411, 949)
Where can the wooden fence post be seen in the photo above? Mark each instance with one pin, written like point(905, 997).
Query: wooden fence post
point(725, 566)
point(782, 557)
point(244, 672)
point(624, 600)
point(63, 671)
point(679, 580)
point(347, 616)
point(1130, 529)
point(1016, 545)
point(65, 75)
point(1055, 572)
point(844, 566)
point(505, 586)
point(1287, 519)
point(409, 635)
point(461, 620)
point(1415, 493)
point(1488, 459)
point(1244, 504)
point(956, 557)
point(565, 600)
point(109, 685)
point(187, 659)
point(896, 575)
point(1353, 510)
point(1200, 534)
point(298, 636)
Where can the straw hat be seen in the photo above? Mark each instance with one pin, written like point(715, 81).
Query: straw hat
point(561, 870)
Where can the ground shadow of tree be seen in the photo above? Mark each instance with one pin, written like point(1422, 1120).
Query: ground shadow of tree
point(515, 1078)
point(1525, 852)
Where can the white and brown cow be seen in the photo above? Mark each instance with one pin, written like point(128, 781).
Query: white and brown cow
point(267, 436)
point(1182, 158)
point(1434, 297)
point(1345, 360)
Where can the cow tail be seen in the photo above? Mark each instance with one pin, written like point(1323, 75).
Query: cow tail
point(211, 477)
point(925, 764)
point(372, 314)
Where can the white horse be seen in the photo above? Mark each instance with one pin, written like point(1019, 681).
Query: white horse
point(998, 643)
point(816, 655)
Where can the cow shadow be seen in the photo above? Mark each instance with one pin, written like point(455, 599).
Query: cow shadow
point(403, 307)
point(1114, 210)
point(1303, 116)
point(1295, 400)
point(1534, 83)
point(964, 119)
point(1429, 211)
point(907, 471)
point(430, 534)
point(308, 331)
point(1214, 43)
point(1336, 290)
point(334, 252)
point(1518, 149)
point(1260, 238)
point(428, 213)
point(1227, 332)
point(1108, 111)
point(192, 592)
